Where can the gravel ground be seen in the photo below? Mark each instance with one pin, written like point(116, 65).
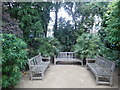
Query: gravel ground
point(65, 76)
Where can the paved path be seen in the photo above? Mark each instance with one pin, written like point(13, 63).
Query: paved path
point(65, 76)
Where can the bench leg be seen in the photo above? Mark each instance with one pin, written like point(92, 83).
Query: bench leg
point(87, 67)
point(54, 62)
point(31, 76)
point(97, 80)
point(42, 76)
point(48, 66)
point(111, 84)
point(110, 81)
point(82, 63)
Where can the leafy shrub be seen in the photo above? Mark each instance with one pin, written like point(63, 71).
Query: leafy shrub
point(108, 52)
point(87, 45)
point(49, 47)
point(112, 22)
point(46, 46)
point(14, 58)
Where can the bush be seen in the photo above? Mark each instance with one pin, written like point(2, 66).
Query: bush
point(49, 47)
point(46, 46)
point(87, 45)
point(14, 58)
point(108, 53)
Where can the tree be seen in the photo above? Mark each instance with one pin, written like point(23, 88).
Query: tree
point(10, 25)
point(44, 9)
point(36, 15)
point(33, 21)
point(56, 8)
point(82, 14)
point(71, 9)
point(29, 21)
point(65, 34)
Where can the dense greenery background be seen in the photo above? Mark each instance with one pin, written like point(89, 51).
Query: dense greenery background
point(32, 20)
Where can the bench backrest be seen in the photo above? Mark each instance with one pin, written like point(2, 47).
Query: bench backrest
point(35, 60)
point(104, 63)
point(66, 55)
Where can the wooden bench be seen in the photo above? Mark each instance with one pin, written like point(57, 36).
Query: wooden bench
point(103, 70)
point(67, 56)
point(38, 67)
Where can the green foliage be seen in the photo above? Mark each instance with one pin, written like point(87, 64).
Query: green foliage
point(112, 22)
point(86, 11)
point(49, 47)
point(98, 8)
point(33, 21)
point(82, 14)
point(14, 58)
point(43, 9)
point(29, 21)
point(33, 17)
point(110, 32)
point(65, 35)
point(30, 14)
point(46, 46)
point(108, 53)
point(87, 45)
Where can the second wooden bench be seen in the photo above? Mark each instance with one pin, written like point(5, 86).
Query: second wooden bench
point(67, 57)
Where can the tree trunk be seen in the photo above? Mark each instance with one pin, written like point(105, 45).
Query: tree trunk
point(45, 30)
point(56, 15)
point(84, 60)
point(9, 5)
